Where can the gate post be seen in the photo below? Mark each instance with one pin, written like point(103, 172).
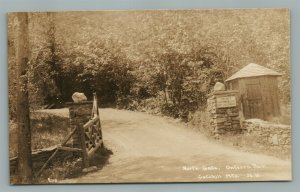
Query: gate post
point(223, 108)
point(79, 113)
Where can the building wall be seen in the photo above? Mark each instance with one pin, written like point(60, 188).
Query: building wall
point(259, 96)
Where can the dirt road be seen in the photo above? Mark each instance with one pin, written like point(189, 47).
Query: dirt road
point(149, 148)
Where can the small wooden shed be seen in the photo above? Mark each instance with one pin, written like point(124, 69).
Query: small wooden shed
point(258, 91)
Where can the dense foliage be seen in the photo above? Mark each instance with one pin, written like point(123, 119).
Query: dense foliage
point(166, 60)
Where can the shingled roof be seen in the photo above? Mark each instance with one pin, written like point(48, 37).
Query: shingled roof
point(253, 70)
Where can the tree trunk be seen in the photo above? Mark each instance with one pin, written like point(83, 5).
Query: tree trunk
point(24, 132)
point(52, 41)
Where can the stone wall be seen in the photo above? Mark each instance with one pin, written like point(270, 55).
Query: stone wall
point(224, 112)
point(267, 133)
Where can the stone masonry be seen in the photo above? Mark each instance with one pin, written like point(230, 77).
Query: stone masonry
point(224, 112)
point(268, 134)
point(79, 113)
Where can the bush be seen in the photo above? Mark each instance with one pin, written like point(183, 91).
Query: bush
point(170, 109)
point(201, 120)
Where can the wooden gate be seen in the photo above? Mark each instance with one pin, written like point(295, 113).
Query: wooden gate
point(91, 134)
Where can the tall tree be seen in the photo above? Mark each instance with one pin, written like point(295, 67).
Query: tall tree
point(24, 132)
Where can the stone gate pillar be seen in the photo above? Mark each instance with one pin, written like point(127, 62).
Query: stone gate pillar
point(223, 110)
point(80, 113)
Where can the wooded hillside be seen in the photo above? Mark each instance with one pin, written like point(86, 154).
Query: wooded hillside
point(163, 60)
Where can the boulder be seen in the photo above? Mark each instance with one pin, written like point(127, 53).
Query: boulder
point(219, 87)
point(78, 97)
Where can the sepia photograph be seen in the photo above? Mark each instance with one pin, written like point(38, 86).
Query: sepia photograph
point(149, 96)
